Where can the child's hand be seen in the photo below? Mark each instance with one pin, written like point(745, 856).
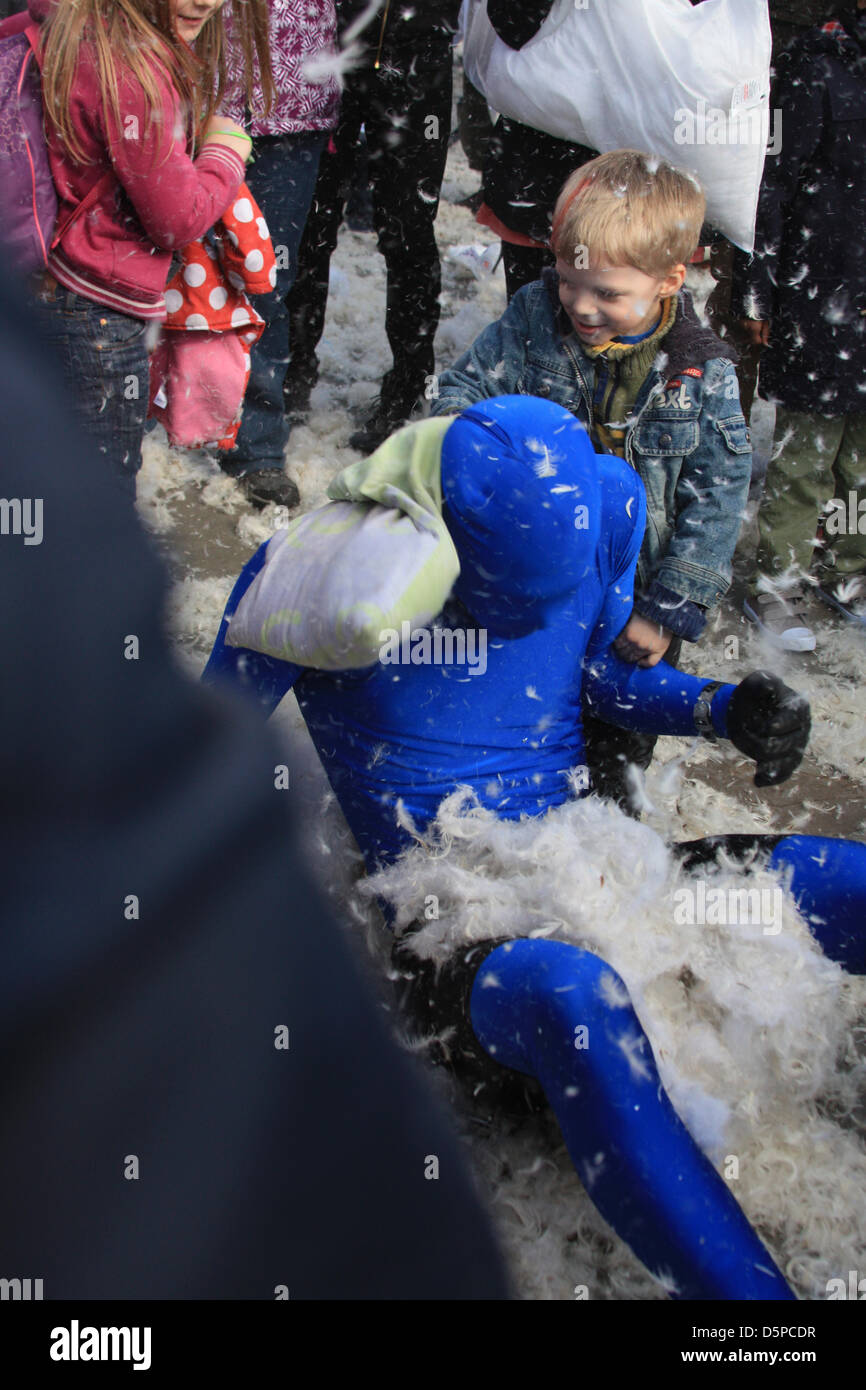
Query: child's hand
point(222, 130)
point(642, 642)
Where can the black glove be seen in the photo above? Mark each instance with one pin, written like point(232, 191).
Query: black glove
point(770, 722)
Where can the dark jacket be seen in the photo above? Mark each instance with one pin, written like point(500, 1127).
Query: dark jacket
point(525, 168)
point(400, 24)
point(802, 13)
point(808, 274)
point(148, 1025)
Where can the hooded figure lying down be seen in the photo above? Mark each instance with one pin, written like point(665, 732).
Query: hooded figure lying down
point(503, 536)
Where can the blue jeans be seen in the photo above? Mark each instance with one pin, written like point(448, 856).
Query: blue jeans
point(104, 360)
point(281, 178)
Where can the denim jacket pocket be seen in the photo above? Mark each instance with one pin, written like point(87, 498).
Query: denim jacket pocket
point(735, 433)
point(550, 382)
point(662, 439)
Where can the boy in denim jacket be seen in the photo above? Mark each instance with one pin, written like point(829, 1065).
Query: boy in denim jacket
point(611, 334)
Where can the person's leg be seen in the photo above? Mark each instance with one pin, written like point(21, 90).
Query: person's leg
point(522, 265)
point(611, 751)
point(281, 178)
point(359, 199)
point(104, 359)
point(474, 124)
point(307, 299)
point(556, 1013)
point(799, 481)
point(729, 328)
point(408, 120)
point(550, 1011)
point(845, 555)
point(827, 881)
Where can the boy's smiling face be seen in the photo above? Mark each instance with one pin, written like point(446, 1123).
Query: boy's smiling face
point(606, 301)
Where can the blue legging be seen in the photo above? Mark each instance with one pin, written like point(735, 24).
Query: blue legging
point(638, 1162)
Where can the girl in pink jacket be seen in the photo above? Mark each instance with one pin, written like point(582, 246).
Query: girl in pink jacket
point(130, 90)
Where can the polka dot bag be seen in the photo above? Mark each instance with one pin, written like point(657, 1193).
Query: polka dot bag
point(201, 366)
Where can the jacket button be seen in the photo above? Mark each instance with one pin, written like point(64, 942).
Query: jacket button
point(544, 389)
point(665, 439)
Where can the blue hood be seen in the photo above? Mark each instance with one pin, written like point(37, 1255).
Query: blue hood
point(523, 505)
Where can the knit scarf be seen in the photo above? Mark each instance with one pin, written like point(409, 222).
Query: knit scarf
point(620, 371)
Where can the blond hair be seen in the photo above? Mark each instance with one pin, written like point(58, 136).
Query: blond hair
point(140, 37)
point(632, 209)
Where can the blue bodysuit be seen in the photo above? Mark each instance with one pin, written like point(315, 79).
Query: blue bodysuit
point(551, 608)
point(547, 535)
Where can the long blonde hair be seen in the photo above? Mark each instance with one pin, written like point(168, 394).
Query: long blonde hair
point(139, 36)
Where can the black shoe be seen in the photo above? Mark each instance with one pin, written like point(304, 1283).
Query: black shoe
point(266, 485)
point(390, 411)
point(376, 429)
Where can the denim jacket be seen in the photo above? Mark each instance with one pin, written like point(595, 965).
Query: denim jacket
point(687, 438)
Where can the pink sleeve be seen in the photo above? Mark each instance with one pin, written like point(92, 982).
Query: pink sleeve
point(15, 24)
point(177, 199)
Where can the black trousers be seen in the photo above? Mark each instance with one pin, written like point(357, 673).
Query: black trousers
point(522, 265)
point(435, 1005)
point(405, 109)
point(435, 1001)
point(609, 750)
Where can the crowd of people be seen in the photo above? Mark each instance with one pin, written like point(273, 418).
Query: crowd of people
point(261, 103)
point(171, 125)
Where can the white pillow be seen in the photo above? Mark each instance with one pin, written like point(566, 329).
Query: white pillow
point(689, 84)
point(337, 579)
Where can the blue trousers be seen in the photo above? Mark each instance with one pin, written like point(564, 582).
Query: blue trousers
point(281, 178)
point(104, 359)
point(561, 1015)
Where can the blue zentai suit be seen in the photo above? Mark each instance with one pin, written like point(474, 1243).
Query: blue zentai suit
point(547, 534)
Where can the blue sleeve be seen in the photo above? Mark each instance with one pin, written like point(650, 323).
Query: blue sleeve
point(266, 677)
point(653, 700)
point(624, 512)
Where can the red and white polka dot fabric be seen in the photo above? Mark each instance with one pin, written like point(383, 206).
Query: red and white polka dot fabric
point(200, 368)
